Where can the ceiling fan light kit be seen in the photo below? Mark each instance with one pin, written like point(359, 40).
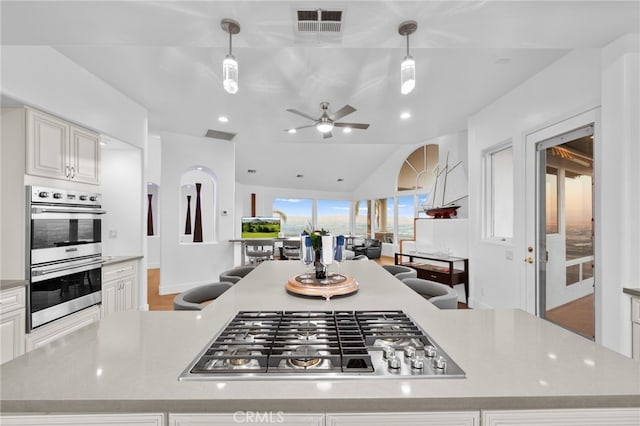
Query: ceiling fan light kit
point(230, 65)
point(326, 122)
point(408, 65)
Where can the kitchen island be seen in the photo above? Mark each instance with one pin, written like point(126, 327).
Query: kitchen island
point(130, 362)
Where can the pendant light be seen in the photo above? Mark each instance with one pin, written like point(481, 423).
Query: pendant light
point(408, 65)
point(230, 65)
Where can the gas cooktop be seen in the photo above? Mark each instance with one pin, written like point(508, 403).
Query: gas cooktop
point(315, 344)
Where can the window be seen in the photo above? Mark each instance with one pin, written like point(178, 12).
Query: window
point(551, 202)
point(406, 211)
point(334, 216)
point(295, 215)
point(499, 193)
point(363, 218)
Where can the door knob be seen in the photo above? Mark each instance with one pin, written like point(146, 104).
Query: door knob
point(529, 259)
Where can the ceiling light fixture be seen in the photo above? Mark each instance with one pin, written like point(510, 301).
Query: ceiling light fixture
point(408, 65)
point(347, 130)
point(325, 125)
point(223, 119)
point(292, 131)
point(230, 65)
point(405, 115)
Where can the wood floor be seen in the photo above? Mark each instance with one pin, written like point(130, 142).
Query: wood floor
point(577, 316)
point(165, 302)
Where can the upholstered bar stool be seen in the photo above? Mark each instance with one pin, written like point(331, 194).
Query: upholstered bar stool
point(401, 272)
point(191, 300)
point(236, 274)
point(440, 295)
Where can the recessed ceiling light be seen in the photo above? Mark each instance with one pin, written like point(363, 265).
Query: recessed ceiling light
point(223, 119)
point(251, 170)
point(199, 168)
point(347, 130)
point(292, 131)
point(405, 115)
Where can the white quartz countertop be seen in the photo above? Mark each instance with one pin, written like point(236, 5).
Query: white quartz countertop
point(131, 361)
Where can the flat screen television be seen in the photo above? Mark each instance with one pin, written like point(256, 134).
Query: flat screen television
point(260, 227)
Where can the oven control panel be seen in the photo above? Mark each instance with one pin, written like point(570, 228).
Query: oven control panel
point(41, 195)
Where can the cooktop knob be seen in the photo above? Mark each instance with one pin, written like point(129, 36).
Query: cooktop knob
point(43, 194)
point(93, 198)
point(83, 197)
point(440, 363)
point(430, 351)
point(388, 352)
point(417, 363)
point(409, 352)
point(393, 362)
point(57, 195)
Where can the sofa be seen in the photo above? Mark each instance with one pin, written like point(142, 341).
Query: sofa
point(370, 247)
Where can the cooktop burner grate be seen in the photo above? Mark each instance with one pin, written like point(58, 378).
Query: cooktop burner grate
point(294, 342)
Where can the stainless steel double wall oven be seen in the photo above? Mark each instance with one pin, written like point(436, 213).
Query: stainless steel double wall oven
point(64, 252)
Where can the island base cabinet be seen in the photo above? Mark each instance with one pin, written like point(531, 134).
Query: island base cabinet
point(445, 418)
point(12, 324)
point(246, 417)
point(133, 419)
point(568, 417)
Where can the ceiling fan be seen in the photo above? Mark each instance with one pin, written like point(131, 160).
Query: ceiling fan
point(326, 122)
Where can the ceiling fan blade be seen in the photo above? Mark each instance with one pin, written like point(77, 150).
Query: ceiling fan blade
point(345, 110)
point(301, 127)
point(302, 114)
point(327, 135)
point(362, 126)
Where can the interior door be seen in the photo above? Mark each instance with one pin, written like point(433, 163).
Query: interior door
point(561, 256)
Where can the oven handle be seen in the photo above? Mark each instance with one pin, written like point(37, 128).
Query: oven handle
point(38, 210)
point(43, 272)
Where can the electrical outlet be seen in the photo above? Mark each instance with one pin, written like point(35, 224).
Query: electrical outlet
point(113, 233)
point(508, 254)
point(224, 213)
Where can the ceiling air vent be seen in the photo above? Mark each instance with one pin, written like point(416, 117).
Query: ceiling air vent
point(319, 25)
point(217, 134)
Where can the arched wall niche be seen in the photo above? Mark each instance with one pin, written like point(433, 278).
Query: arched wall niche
point(208, 205)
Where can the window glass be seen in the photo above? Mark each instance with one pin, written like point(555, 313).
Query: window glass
point(406, 213)
point(333, 215)
point(362, 227)
point(295, 214)
point(551, 204)
point(501, 193)
point(416, 172)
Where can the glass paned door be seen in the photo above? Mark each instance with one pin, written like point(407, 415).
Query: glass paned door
point(565, 230)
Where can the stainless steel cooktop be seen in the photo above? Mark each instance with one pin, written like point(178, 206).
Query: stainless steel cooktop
point(321, 344)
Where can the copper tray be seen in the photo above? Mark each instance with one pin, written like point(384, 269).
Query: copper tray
point(308, 285)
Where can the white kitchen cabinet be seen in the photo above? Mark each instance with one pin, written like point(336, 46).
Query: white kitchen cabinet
point(444, 418)
point(12, 323)
point(61, 327)
point(133, 419)
point(60, 150)
point(246, 417)
point(563, 417)
point(119, 286)
point(635, 327)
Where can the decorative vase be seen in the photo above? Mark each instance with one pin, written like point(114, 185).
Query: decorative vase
point(197, 227)
point(149, 216)
point(321, 269)
point(187, 226)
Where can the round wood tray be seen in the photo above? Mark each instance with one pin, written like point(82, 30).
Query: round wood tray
point(308, 285)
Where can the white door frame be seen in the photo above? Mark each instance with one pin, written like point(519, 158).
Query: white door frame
point(531, 195)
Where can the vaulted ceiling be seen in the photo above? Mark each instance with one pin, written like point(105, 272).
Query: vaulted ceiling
point(167, 56)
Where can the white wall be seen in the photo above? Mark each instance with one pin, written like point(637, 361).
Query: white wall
point(187, 265)
point(568, 86)
point(42, 77)
point(618, 201)
point(576, 83)
point(121, 182)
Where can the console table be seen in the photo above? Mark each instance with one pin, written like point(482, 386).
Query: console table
point(441, 269)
